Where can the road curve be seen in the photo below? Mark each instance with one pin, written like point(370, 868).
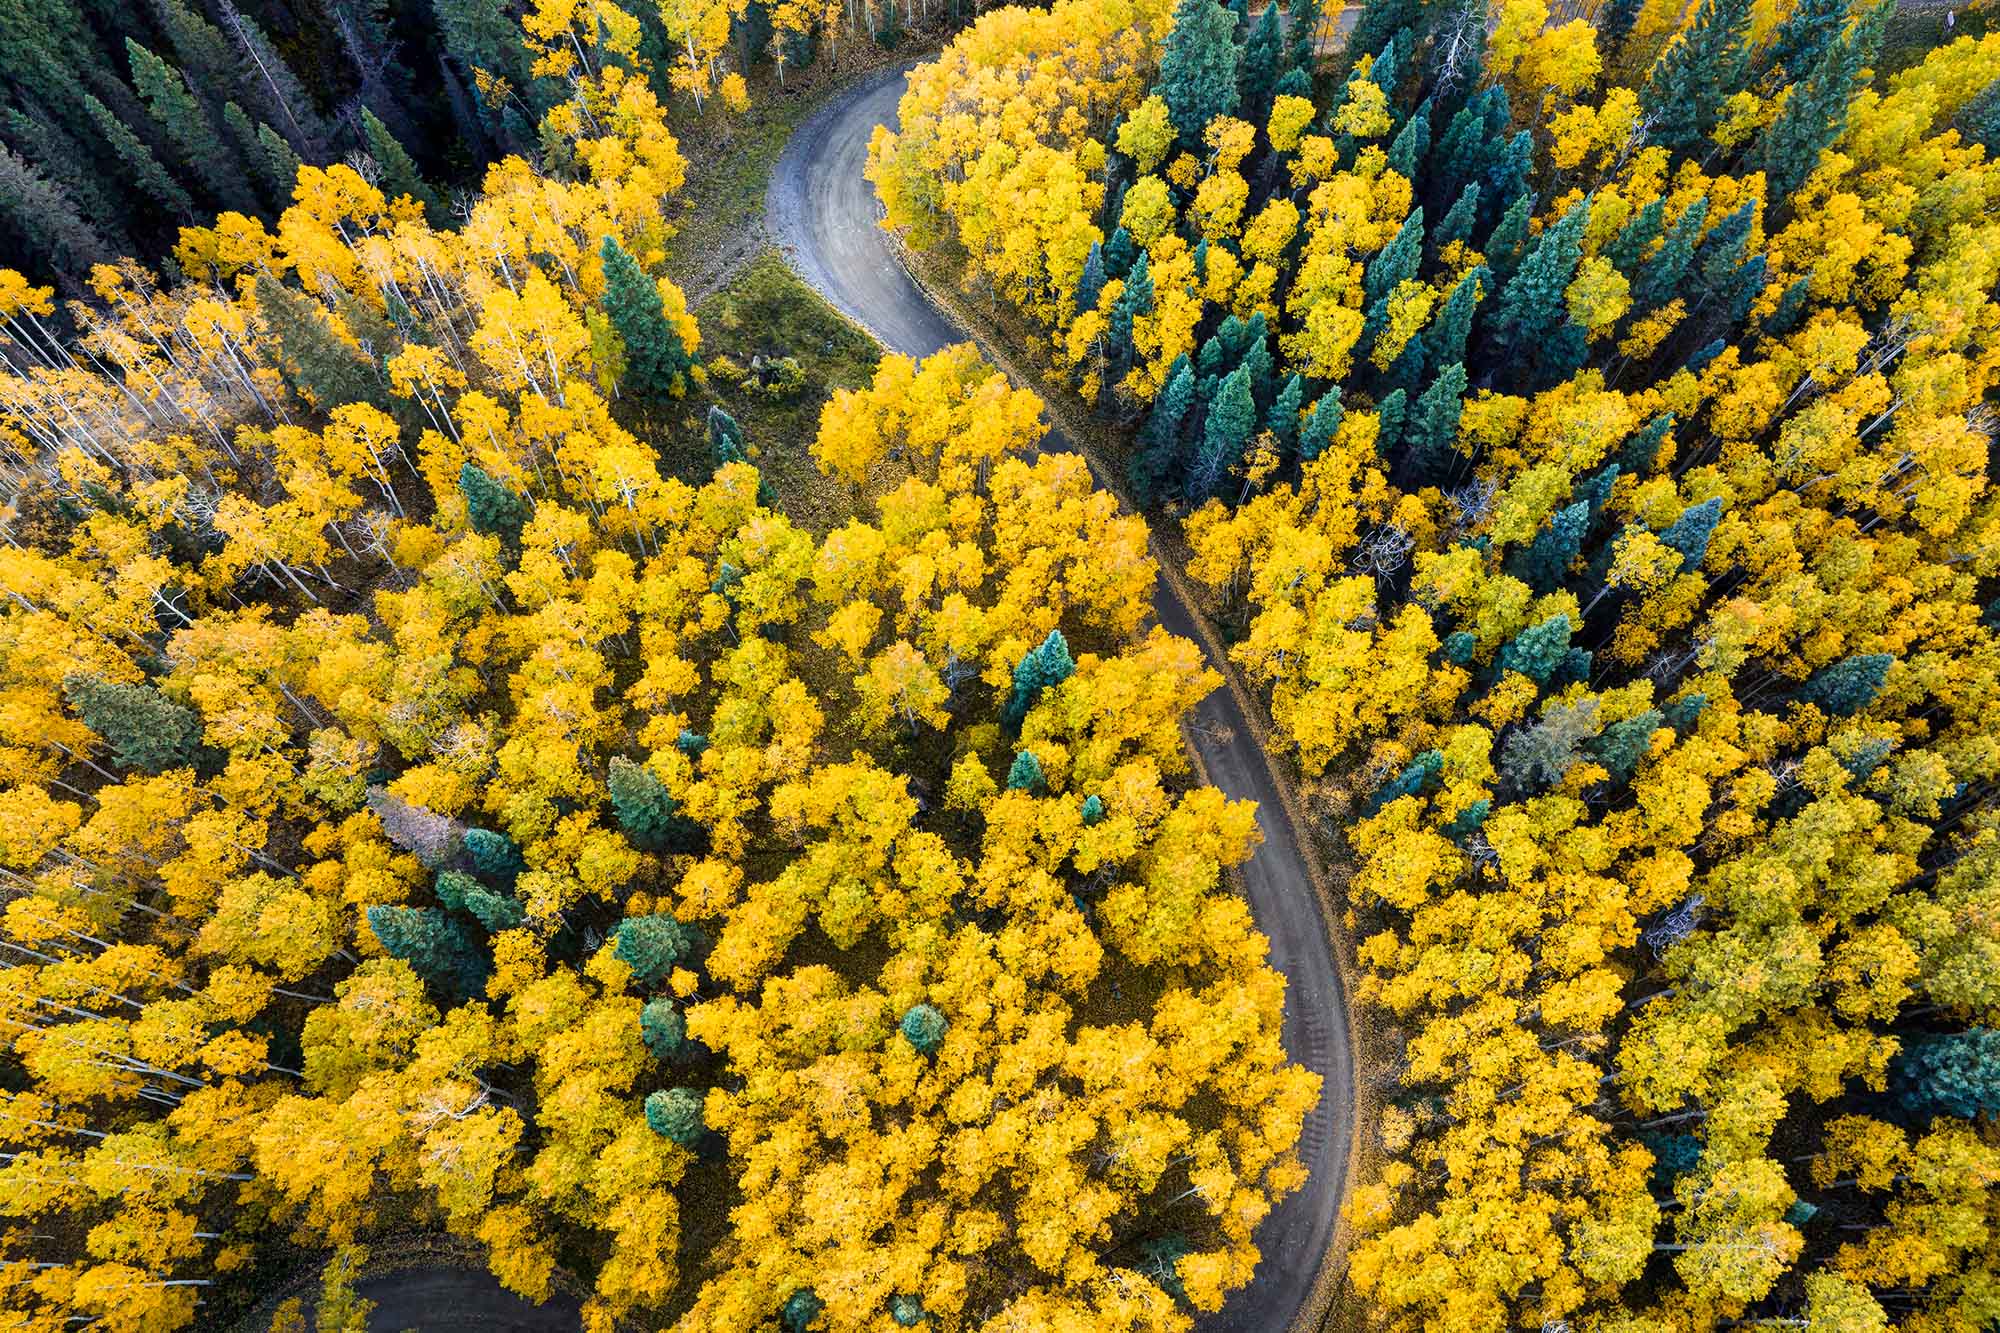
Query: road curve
point(826, 217)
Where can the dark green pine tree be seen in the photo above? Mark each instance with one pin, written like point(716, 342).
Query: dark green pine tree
point(1532, 306)
point(1721, 252)
point(145, 729)
point(1955, 1074)
point(1614, 23)
point(1042, 667)
point(1450, 329)
point(490, 506)
point(1090, 283)
point(1231, 419)
point(1689, 533)
point(1537, 651)
point(1508, 240)
point(1135, 300)
point(907, 1310)
point(1283, 419)
point(1434, 425)
point(1807, 32)
point(664, 1029)
point(1412, 142)
point(494, 911)
point(277, 95)
point(799, 1310)
point(924, 1026)
point(478, 34)
point(436, 946)
point(1639, 453)
point(1628, 247)
point(1198, 68)
point(1120, 253)
point(284, 164)
point(1706, 66)
point(174, 107)
point(725, 438)
point(1784, 317)
point(1458, 219)
point(1620, 746)
point(1595, 493)
point(1263, 63)
point(1544, 563)
point(1849, 685)
point(1092, 812)
point(243, 138)
point(1026, 773)
point(141, 167)
point(493, 855)
point(58, 157)
point(656, 365)
point(203, 52)
point(320, 366)
point(1302, 24)
point(647, 811)
point(399, 170)
point(1389, 416)
point(1419, 778)
point(1240, 11)
point(1395, 262)
point(1157, 459)
point(676, 1115)
point(653, 946)
point(1815, 112)
point(1317, 431)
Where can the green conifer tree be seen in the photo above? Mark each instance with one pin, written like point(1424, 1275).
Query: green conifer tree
point(144, 728)
point(1508, 240)
point(656, 364)
point(1538, 650)
point(177, 112)
point(653, 946)
point(1459, 218)
point(663, 1028)
point(1815, 111)
point(1450, 330)
point(279, 98)
point(1689, 533)
point(1628, 247)
point(1955, 1074)
point(923, 1026)
point(1434, 425)
point(1283, 419)
point(1263, 63)
point(282, 162)
point(1545, 562)
point(1158, 456)
point(399, 171)
point(1531, 307)
point(1044, 666)
point(489, 506)
point(676, 1115)
point(1849, 685)
point(493, 855)
point(47, 219)
point(1198, 68)
point(646, 810)
point(1026, 773)
point(1699, 71)
point(141, 167)
point(1316, 432)
point(1225, 436)
point(321, 366)
point(437, 948)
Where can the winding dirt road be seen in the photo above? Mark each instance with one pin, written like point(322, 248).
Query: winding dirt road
point(825, 215)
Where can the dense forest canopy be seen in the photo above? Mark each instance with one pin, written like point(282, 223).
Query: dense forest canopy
point(1583, 423)
point(444, 790)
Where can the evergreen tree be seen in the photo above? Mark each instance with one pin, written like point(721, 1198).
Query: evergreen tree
point(1225, 436)
point(1026, 773)
point(173, 106)
point(1721, 251)
point(46, 219)
point(1412, 142)
point(1538, 650)
point(493, 855)
point(647, 811)
point(1389, 414)
point(1628, 247)
point(1815, 112)
point(1784, 317)
point(1093, 811)
point(144, 728)
point(1197, 77)
point(478, 34)
point(1595, 493)
point(1512, 166)
point(1044, 666)
point(1806, 34)
point(1434, 426)
point(1090, 284)
point(1134, 301)
point(1620, 746)
point(141, 167)
point(656, 364)
point(1451, 328)
point(1158, 456)
point(1317, 431)
point(1458, 219)
point(907, 1310)
point(1640, 452)
point(664, 1029)
point(1509, 238)
point(491, 507)
point(1614, 23)
point(1849, 685)
point(1419, 778)
point(437, 948)
point(676, 1115)
point(58, 157)
point(799, 1310)
point(1955, 1074)
point(203, 52)
point(1395, 262)
point(243, 139)
point(924, 1028)
point(494, 911)
point(399, 172)
point(1378, 23)
point(1120, 253)
point(281, 99)
point(1699, 71)
point(1689, 533)
point(451, 886)
point(1532, 305)
point(1302, 24)
point(725, 438)
point(320, 365)
point(1263, 57)
point(283, 163)
point(653, 946)
point(1283, 419)
point(1545, 562)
